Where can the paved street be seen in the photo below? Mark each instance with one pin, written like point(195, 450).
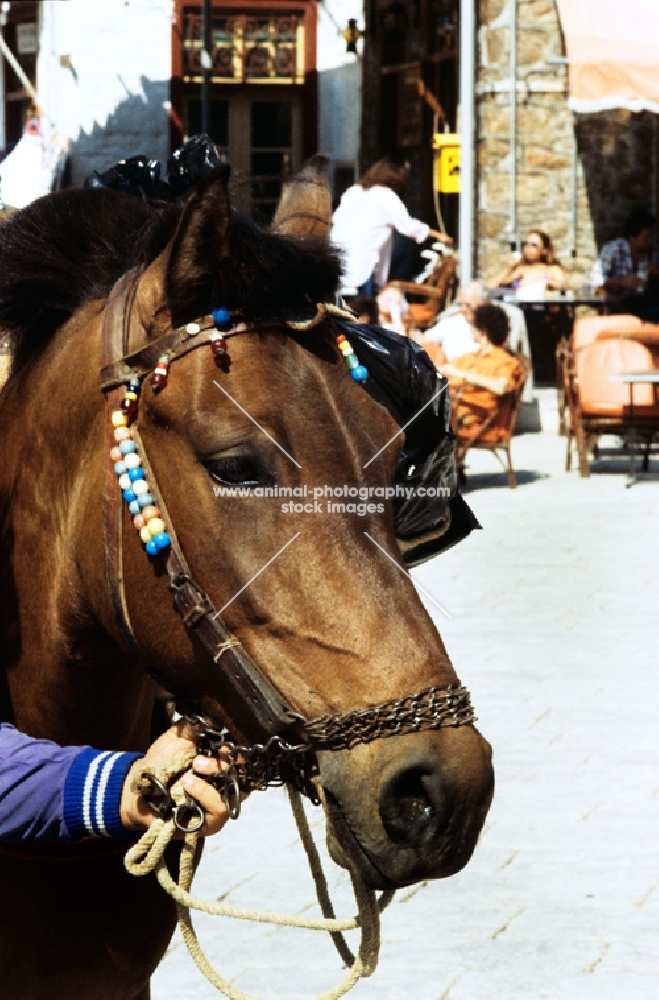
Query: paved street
point(554, 630)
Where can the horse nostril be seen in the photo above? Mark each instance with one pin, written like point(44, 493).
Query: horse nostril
point(412, 806)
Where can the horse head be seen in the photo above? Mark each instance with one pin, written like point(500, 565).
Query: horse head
point(271, 466)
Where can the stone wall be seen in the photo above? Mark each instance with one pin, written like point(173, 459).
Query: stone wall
point(616, 151)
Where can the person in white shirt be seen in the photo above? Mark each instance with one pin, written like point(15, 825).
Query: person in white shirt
point(454, 332)
point(364, 223)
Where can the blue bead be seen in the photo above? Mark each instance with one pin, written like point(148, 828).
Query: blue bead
point(120, 468)
point(129, 496)
point(134, 507)
point(152, 548)
point(125, 447)
point(221, 316)
point(135, 474)
point(360, 374)
point(161, 540)
point(145, 500)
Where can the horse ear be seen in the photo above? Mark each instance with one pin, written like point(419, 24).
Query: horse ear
point(304, 208)
point(200, 244)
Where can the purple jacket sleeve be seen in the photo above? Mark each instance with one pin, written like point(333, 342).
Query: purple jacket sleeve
point(50, 793)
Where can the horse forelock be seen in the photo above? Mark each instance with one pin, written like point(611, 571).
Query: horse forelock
point(269, 274)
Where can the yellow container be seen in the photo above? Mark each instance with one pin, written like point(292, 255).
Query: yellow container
point(447, 147)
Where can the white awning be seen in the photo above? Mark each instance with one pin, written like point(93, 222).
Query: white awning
point(612, 48)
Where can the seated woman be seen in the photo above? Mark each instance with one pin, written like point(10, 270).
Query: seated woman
point(478, 378)
point(538, 265)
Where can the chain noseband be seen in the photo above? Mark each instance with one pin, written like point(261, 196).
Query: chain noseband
point(277, 759)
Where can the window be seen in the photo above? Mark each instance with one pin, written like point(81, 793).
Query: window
point(271, 143)
point(247, 48)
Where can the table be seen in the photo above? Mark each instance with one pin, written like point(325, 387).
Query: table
point(650, 377)
point(550, 318)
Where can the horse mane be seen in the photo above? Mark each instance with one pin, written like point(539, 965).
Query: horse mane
point(69, 248)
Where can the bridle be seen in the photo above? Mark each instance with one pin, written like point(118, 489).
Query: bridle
point(287, 752)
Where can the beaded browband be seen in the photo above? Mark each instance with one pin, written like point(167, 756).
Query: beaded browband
point(248, 692)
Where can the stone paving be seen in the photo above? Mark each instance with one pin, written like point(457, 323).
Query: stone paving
point(554, 629)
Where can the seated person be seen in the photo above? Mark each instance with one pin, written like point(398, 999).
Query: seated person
point(538, 265)
point(453, 333)
point(625, 265)
point(476, 379)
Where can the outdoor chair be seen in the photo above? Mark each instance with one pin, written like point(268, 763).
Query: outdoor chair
point(495, 432)
point(597, 406)
point(586, 331)
point(427, 299)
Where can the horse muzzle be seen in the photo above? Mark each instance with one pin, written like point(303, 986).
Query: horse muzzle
point(408, 808)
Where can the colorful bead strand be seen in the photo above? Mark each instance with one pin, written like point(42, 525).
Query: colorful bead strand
point(358, 372)
point(131, 476)
point(219, 349)
point(160, 374)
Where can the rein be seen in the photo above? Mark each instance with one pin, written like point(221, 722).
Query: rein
point(287, 753)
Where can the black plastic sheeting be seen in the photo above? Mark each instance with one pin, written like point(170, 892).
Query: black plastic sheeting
point(403, 379)
point(140, 176)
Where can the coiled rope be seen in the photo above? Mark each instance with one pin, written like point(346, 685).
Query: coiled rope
point(147, 855)
point(323, 309)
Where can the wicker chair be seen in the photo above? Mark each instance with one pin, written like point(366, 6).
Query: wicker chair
point(427, 299)
point(495, 432)
point(586, 331)
point(598, 406)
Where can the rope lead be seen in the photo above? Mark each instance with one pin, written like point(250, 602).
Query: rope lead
point(147, 856)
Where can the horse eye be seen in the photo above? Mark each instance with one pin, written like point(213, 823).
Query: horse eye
point(237, 471)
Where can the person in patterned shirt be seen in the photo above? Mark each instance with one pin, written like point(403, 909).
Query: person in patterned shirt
point(627, 265)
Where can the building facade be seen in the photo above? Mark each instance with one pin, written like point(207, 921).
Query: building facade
point(537, 162)
point(117, 78)
point(410, 93)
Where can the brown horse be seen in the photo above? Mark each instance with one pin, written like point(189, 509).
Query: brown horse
point(332, 622)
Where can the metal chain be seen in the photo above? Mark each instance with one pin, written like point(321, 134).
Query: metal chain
point(263, 765)
point(429, 709)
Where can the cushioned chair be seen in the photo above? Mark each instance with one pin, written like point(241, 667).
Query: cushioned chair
point(589, 329)
point(427, 299)
point(495, 433)
point(586, 331)
point(598, 406)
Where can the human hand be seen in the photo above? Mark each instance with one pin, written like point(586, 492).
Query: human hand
point(135, 812)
